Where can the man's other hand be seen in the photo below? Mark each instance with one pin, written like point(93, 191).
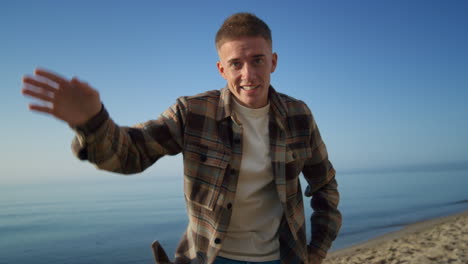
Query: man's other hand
point(72, 101)
point(315, 259)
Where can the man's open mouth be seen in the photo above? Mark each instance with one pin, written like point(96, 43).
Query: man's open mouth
point(248, 88)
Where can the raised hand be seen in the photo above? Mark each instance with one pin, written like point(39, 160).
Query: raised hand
point(72, 101)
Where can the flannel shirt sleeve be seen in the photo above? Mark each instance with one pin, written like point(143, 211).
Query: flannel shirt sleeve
point(130, 150)
point(322, 187)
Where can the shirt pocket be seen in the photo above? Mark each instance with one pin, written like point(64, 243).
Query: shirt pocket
point(298, 150)
point(204, 170)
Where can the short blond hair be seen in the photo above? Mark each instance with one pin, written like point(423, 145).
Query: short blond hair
point(242, 25)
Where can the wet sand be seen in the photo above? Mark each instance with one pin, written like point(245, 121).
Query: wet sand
point(441, 240)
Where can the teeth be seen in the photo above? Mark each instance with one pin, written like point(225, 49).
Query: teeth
point(248, 88)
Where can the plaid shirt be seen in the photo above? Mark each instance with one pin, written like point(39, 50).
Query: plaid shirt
point(202, 127)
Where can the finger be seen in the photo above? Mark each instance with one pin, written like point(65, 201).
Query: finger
point(40, 108)
point(76, 81)
point(51, 76)
point(37, 95)
point(42, 85)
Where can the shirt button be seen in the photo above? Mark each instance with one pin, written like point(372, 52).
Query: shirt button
point(236, 140)
point(203, 158)
point(217, 241)
point(229, 205)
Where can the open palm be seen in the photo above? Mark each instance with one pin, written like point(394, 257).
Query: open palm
point(72, 101)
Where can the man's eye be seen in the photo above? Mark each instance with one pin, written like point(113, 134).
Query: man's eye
point(235, 64)
point(258, 61)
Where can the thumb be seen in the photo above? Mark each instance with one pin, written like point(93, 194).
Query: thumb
point(77, 81)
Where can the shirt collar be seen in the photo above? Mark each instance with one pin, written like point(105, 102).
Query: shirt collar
point(277, 104)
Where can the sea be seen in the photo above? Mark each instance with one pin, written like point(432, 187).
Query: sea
point(115, 219)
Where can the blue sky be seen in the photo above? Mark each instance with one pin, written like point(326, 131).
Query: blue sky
point(386, 80)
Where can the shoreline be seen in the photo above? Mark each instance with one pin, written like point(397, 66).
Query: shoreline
point(438, 240)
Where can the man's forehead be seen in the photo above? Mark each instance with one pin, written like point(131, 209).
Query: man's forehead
point(244, 47)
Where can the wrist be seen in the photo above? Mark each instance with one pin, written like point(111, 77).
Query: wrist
point(93, 123)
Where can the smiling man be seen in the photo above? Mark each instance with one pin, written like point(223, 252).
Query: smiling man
point(246, 63)
point(244, 148)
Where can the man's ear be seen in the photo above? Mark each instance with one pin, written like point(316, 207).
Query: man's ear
point(221, 69)
point(274, 61)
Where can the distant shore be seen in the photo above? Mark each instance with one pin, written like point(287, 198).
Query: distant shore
point(440, 240)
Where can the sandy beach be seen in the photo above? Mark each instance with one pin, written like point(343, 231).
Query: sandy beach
point(441, 240)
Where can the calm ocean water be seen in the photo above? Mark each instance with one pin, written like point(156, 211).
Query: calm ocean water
point(115, 220)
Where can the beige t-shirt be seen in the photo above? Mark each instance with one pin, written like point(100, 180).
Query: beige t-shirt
point(256, 213)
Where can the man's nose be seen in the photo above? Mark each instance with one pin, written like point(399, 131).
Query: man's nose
point(248, 72)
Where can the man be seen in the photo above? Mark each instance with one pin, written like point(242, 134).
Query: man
point(243, 146)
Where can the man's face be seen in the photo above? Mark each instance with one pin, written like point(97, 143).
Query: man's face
point(246, 64)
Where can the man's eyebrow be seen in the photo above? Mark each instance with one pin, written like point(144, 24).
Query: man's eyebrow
point(254, 56)
point(233, 60)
